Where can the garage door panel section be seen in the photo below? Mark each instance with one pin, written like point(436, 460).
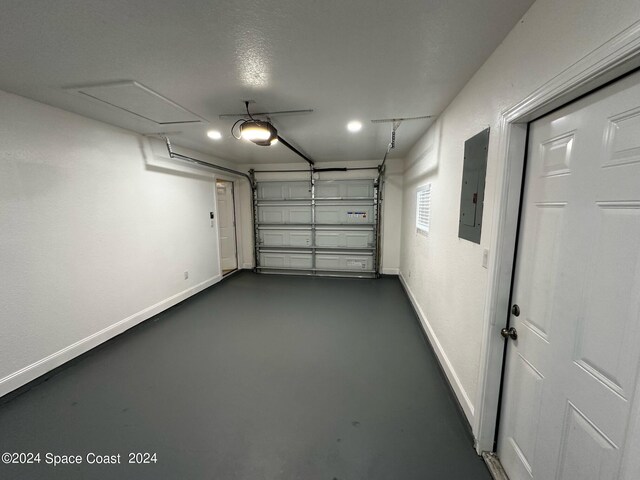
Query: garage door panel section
point(289, 260)
point(328, 227)
point(283, 190)
point(281, 237)
point(349, 189)
point(339, 261)
point(284, 214)
point(344, 214)
point(354, 238)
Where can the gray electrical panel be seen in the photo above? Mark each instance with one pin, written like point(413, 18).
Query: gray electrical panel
point(473, 180)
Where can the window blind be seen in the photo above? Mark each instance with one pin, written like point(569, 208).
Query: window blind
point(423, 209)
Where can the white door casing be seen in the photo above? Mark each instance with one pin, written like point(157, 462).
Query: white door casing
point(226, 225)
point(571, 376)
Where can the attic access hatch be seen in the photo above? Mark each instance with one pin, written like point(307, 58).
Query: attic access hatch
point(136, 99)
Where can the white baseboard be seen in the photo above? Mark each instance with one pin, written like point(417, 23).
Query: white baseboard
point(247, 266)
point(31, 372)
point(390, 271)
point(450, 372)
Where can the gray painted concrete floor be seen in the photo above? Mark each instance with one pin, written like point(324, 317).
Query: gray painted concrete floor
point(258, 377)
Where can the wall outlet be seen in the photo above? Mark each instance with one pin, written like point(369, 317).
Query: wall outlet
point(186, 275)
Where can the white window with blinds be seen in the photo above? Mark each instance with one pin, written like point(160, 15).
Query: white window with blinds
point(423, 209)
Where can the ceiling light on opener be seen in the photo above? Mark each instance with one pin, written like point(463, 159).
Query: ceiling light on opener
point(259, 132)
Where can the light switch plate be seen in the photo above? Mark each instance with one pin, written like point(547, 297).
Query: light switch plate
point(485, 258)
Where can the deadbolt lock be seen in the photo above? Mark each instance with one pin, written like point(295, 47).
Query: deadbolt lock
point(511, 332)
point(515, 310)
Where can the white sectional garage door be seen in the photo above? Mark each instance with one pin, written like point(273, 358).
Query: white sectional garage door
point(329, 227)
point(571, 407)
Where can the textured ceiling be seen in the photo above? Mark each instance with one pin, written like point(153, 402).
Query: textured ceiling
point(356, 59)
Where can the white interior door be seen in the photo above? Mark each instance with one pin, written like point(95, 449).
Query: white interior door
point(570, 406)
point(226, 225)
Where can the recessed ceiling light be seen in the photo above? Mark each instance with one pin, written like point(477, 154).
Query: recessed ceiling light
point(354, 126)
point(214, 134)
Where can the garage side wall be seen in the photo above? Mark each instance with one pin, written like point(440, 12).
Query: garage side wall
point(444, 274)
point(98, 230)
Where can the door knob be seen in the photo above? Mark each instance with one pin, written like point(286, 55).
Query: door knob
point(511, 332)
point(515, 310)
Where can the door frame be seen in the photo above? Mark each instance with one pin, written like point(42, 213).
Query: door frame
point(219, 178)
point(615, 58)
